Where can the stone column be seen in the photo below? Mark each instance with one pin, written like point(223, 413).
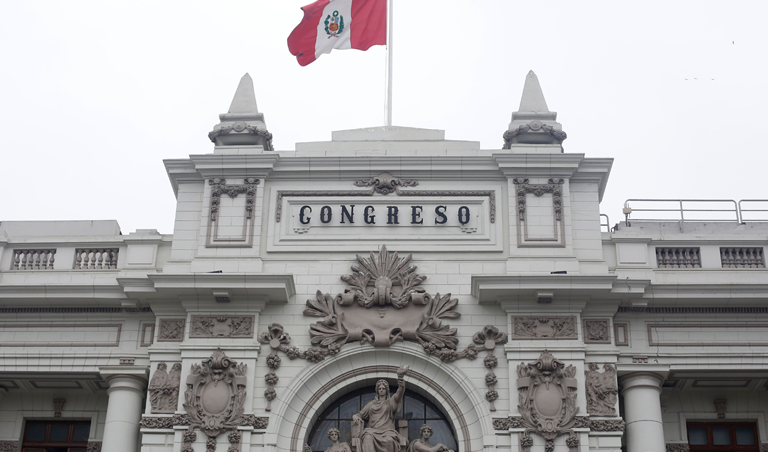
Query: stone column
point(642, 411)
point(126, 398)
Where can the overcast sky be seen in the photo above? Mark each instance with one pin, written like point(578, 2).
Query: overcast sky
point(93, 95)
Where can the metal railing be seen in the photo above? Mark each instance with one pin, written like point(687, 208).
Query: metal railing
point(682, 210)
point(606, 225)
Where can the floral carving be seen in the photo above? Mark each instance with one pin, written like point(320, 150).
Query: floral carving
point(9, 446)
point(535, 126)
point(164, 388)
point(171, 330)
point(165, 422)
point(597, 331)
point(215, 410)
point(544, 327)
point(547, 400)
point(554, 186)
point(602, 390)
point(206, 326)
point(488, 338)
point(386, 183)
point(610, 425)
point(678, 447)
point(241, 127)
point(93, 446)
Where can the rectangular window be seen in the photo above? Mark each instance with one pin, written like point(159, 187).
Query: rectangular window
point(723, 437)
point(56, 436)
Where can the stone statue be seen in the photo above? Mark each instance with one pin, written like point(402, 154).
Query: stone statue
point(381, 434)
point(164, 388)
point(422, 444)
point(334, 434)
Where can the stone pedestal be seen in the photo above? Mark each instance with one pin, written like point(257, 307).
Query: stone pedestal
point(642, 412)
point(126, 391)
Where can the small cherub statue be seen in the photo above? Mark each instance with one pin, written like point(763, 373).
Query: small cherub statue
point(422, 444)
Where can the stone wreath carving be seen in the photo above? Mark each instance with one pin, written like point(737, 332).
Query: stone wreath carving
point(164, 388)
point(386, 183)
point(536, 126)
point(602, 390)
point(547, 401)
point(488, 338)
point(215, 395)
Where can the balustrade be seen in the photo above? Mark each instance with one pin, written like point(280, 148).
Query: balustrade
point(740, 257)
point(33, 259)
point(96, 258)
point(678, 257)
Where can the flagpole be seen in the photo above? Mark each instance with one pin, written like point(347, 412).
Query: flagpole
point(388, 99)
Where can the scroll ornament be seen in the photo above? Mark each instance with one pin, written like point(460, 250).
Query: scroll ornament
point(547, 401)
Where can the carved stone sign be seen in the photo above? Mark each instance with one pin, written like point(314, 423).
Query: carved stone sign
point(602, 390)
point(382, 305)
point(205, 326)
point(215, 394)
point(544, 328)
point(547, 397)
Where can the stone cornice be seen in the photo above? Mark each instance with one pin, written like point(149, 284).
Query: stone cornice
point(276, 288)
point(496, 289)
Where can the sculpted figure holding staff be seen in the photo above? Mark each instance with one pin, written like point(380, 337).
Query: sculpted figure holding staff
point(381, 434)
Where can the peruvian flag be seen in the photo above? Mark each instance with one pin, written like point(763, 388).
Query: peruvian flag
point(338, 24)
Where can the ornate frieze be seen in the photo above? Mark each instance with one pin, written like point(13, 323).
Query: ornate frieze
point(544, 327)
point(215, 394)
point(207, 326)
point(597, 425)
point(220, 187)
point(385, 183)
point(9, 446)
point(248, 420)
point(678, 447)
point(607, 425)
point(164, 388)
point(171, 330)
point(93, 446)
point(597, 331)
point(487, 339)
point(602, 390)
point(547, 401)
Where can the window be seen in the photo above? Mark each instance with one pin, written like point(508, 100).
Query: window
point(415, 409)
point(55, 436)
point(723, 436)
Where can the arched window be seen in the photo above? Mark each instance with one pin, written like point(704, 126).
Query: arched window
point(415, 409)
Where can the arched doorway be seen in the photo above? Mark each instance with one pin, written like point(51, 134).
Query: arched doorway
point(415, 411)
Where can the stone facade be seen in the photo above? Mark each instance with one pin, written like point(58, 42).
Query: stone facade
point(295, 278)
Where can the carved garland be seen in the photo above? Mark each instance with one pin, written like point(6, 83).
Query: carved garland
point(547, 397)
point(610, 425)
point(385, 184)
point(677, 447)
point(247, 420)
point(535, 125)
point(488, 338)
point(243, 127)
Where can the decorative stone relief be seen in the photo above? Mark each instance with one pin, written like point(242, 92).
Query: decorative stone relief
point(488, 338)
point(215, 395)
point(535, 126)
point(544, 328)
point(597, 331)
point(678, 447)
point(602, 390)
point(219, 187)
point(207, 326)
point(164, 388)
point(58, 407)
point(93, 446)
point(171, 330)
point(523, 188)
point(385, 183)
point(597, 425)
point(764, 447)
point(547, 401)
point(187, 438)
point(247, 420)
point(235, 439)
point(607, 425)
point(721, 405)
point(243, 127)
point(9, 446)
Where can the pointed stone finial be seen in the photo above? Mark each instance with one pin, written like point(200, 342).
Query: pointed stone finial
point(533, 123)
point(242, 125)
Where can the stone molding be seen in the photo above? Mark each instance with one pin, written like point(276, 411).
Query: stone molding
point(547, 401)
point(73, 310)
point(220, 187)
point(597, 331)
point(171, 330)
point(602, 390)
point(243, 127)
point(695, 310)
point(209, 326)
point(523, 188)
point(118, 328)
point(544, 327)
point(534, 126)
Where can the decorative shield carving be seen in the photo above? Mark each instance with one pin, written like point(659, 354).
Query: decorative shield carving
point(215, 394)
point(547, 397)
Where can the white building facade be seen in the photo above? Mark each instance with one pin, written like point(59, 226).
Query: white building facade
point(295, 280)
